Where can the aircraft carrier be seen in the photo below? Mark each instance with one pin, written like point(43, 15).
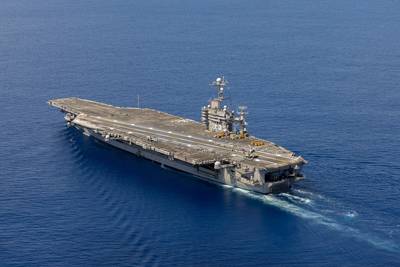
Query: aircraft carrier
point(218, 149)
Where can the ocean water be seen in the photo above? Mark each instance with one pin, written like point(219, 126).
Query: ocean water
point(321, 78)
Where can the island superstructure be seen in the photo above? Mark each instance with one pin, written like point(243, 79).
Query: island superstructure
point(218, 150)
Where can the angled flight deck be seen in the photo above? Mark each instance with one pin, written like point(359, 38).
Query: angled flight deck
point(218, 150)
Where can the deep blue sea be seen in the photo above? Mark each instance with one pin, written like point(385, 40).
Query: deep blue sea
point(321, 78)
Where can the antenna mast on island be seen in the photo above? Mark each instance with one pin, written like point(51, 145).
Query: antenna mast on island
point(221, 119)
point(219, 84)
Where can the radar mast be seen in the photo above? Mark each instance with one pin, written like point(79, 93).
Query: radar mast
point(219, 84)
point(221, 119)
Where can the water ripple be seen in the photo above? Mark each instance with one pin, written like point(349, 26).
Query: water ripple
point(316, 217)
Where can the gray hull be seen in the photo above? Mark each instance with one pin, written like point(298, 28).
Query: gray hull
point(240, 161)
point(212, 176)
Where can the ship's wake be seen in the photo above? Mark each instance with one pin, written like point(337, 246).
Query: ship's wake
point(306, 205)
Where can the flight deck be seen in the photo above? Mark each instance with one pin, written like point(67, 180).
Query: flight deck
point(219, 142)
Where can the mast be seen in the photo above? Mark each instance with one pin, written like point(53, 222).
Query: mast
point(219, 84)
point(221, 119)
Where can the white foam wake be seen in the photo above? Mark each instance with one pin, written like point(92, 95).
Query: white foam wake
point(321, 219)
point(295, 198)
point(310, 194)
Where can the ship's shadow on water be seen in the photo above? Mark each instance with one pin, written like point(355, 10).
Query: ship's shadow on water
point(117, 178)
